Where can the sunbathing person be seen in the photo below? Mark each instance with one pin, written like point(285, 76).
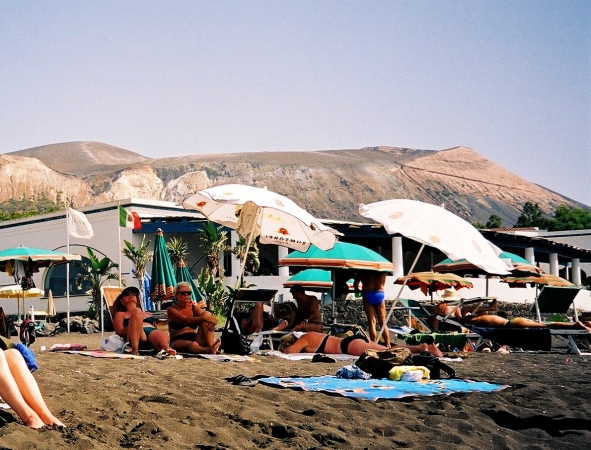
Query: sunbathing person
point(307, 317)
point(19, 389)
point(313, 342)
point(191, 329)
point(444, 308)
point(136, 326)
point(496, 321)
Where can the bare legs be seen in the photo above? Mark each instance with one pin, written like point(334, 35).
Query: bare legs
point(255, 321)
point(204, 341)
point(370, 312)
point(136, 334)
point(20, 390)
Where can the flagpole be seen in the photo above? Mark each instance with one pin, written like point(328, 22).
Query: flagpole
point(68, 267)
point(119, 238)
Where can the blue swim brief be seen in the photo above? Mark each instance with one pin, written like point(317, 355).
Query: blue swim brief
point(374, 298)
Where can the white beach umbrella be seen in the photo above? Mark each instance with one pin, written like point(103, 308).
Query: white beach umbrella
point(258, 212)
point(436, 227)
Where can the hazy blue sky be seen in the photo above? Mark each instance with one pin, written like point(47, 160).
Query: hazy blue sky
point(511, 79)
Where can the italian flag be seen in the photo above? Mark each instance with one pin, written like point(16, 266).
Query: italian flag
point(129, 219)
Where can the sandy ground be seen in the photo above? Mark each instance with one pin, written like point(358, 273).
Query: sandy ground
point(177, 404)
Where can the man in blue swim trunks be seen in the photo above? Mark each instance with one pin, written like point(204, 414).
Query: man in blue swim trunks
point(372, 293)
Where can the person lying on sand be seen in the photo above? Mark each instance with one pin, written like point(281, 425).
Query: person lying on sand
point(313, 342)
point(20, 390)
point(136, 326)
point(496, 321)
point(191, 329)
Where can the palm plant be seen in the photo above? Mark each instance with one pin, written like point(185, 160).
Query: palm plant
point(177, 249)
point(96, 274)
point(252, 261)
point(211, 279)
point(140, 258)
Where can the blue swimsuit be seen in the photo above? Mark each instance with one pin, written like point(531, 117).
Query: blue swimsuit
point(374, 298)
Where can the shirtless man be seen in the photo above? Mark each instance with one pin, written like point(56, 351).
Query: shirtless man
point(307, 317)
point(312, 342)
point(372, 293)
point(495, 321)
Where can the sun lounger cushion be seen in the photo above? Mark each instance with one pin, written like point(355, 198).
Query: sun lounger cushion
point(524, 338)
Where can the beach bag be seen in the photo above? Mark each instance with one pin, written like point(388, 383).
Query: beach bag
point(114, 343)
point(435, 366)
point(27, 333)
point(379, 363)
point(233, 342)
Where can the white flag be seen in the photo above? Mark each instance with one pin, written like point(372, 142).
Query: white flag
point(78, 225)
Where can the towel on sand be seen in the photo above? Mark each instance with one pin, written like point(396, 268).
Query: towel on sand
point(381, 389)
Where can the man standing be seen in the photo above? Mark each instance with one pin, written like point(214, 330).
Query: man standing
point(372, 293)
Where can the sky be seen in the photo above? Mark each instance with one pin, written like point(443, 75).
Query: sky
point(510, 79)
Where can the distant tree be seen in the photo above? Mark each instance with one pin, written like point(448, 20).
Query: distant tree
point(532, 216)
point(566, 218)
point(494, 221)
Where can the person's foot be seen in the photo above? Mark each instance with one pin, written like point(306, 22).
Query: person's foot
point(170, 351)
point(214, 348)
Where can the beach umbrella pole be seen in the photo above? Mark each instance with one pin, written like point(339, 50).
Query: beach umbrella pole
point(400, 293)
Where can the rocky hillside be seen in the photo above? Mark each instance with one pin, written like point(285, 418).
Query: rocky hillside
point(329, 184)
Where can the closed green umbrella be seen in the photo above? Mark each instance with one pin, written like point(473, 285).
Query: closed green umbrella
point(183, 274)
point(310, 279)
point(163, 278)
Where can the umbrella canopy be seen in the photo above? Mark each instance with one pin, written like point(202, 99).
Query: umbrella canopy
point(515, 263)
point(16, 291)
point(545, 279)
point(256, 212)
point(183, 274)
point(436, 227)
point(433, 281)
point(310, 279)
point(163, 278)
point(41, 257)
point(342, 256)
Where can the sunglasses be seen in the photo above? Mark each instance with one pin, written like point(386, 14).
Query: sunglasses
point(184, 292)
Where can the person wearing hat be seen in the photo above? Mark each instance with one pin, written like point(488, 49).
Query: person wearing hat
point(136, 326)
point(444, 308)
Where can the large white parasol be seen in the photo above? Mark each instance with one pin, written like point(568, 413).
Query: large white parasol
point(436, 227)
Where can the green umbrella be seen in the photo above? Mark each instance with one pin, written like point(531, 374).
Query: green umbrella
point(163, 279)
point(183, 274)
point(310, 279)
point(342, 256)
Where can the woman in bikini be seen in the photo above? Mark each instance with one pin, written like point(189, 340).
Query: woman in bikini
point(313, 342)
point(191, 329)
point(136, 326)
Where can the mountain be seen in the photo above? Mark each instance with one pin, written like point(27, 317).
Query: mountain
point(330, 184)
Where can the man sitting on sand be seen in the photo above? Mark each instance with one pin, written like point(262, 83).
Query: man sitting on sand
point(307, 317)
point(313, 342)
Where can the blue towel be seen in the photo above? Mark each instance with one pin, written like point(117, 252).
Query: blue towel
point(28, 355)
point(380, 389)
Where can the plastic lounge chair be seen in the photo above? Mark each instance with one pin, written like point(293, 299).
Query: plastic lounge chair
point(109, 294)
point(418, 317)
point(555, 300)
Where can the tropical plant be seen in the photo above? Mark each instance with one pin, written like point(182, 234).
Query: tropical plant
point(96, 274)
point(140, 258)
point(252, 261)
point(214, 241)
point(177, 249)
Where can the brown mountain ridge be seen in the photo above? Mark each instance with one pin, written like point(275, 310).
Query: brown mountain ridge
point(329, 183)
